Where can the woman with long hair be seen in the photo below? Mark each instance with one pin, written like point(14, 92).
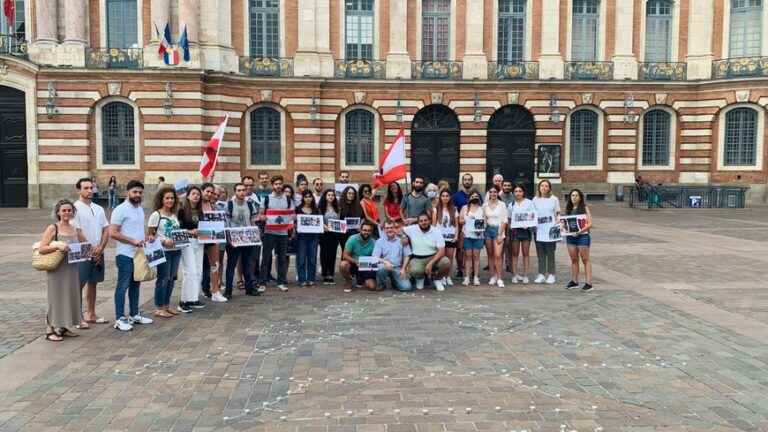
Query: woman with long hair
point(112, 192)
point(446, 219)
point(190, 214)
point(329, 241)
point(370, 209)
point(212, 273)
point(306, 254)
point(495, 231)
point(520, 243)
point(392, 202)
point(349, 207)
point(547, 211)
point(578, 244)
point(472, 219)
point(161, 224)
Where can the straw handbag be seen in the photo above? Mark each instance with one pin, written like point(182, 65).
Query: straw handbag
point(142, 272)
point(49, 261)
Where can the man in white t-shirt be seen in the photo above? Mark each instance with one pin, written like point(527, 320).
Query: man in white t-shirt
point(428, 253)
point(90, 218)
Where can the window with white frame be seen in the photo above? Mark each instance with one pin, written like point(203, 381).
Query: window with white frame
point(358, 29)
point(658, 31)
point(511, 35)
point(118, 134)
point(435, 29)
point(122, 24)
point(17, 27)
point(264, 28)
point(358, 137)
point(656, 137)
point(745, 28)
point(583, 138)
point(265, 136)
point(584, 33)
point(740, 146)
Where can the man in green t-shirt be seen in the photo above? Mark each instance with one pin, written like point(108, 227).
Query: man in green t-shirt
point(358, 245)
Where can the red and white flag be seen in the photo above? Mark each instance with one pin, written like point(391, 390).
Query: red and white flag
point(279, 220)
point(392, 166)
point(212, 149)
point(9, 11)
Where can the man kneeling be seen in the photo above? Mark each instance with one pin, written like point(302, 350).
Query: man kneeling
point(393, 259)
point(358, 245)
point(428, 253)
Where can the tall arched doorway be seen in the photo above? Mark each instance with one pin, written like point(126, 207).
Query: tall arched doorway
point(13, 148)
point(511, 142)
point(435, 144)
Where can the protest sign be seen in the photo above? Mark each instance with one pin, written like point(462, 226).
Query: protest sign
point(154, 252)
point(309, 224)
point(353, 223)
point(78, 252)
point(478, 225)
point(211, 232)
point(180, 239)
point(571, 225)
point(215, 216)
point(522, 218)
point(448, 232)
point(547, 230)
point(181, 187)
point(367, 263)
point(337, 225)
point(279, 220)
point(244, 236)
point(339, 188)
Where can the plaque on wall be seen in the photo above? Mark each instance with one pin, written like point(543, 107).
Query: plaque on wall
point(548, 165)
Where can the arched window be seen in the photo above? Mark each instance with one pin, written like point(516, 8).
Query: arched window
point(359, 139)
point(740, 147)
point(122, 24)
point(435, 29)
point(118, 134)
point(658, 31)
point(656, 136)
point(264, 28)
point(265, 136)
point(359, 29)
point(511, 31)
point(746, 28)
point(586, 21)
point(583, 149)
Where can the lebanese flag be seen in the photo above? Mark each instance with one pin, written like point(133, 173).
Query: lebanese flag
point(392, 166)
point(8, 11)
point(211, 150)
point(279, 220)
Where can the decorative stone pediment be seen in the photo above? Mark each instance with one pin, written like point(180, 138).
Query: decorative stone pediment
point(586, 98)
point(513, 98)
point(742, 95)
point(359, 97)
point(661, 98)
point(266, 95)
point(114, 88)
point(437, 98)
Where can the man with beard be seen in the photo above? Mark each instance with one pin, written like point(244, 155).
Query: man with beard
point(428, 253)
point(93, 222)
point(264, 188)
point(358, 245)
point(274, 240)
point(317, 189)
point(415, 203)
point(460, 199)
point(127, 228)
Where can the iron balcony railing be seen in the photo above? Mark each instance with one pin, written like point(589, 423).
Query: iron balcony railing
point(589, 70)
point(13, 45)
point(740, 67)
point(266, 66)
point(114, 58)
point(360, 69)
point(521, 70)
point(436, 70)
point(662, 71)
point(650, 196)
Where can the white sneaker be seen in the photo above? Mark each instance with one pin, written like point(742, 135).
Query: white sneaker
point(282, 288)
point(466, 281)
point(551, 279)
point(492, 281)
point(524, 279)
point(138, 319)
point(123, 324)
point(500, 283)
point(262, 288)
point(439, 285)
point(419, 284)
point(448, 281)
point(218, 298)
point(476, 282)
point(539, 279)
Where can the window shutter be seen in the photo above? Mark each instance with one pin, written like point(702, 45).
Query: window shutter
point(359, 137)
point(656, 125)
point(264, 28)
point(117, 134)
point(583, 135)
point(265, 136)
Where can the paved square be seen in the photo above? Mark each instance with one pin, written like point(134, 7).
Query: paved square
point(674, 338)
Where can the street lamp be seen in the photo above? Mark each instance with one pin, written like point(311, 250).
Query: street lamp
point(630, 116)
point(555, 116)
point(50, 104)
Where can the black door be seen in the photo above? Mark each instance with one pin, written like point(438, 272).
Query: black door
point(13, 149)
point(435, 145)
point(511, 142)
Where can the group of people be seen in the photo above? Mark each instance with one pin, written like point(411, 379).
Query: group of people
point(412, 241)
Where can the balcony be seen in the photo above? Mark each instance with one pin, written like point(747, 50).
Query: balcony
point(740, 67)
point(589, 70)
point(266, 66)
point(114, 58)
point(360, 69)
point(436, 70)
point(662, 71)
point(524, 70)
point(13, 45)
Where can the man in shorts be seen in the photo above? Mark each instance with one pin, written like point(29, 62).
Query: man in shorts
point(358, 245)
point(428, 253)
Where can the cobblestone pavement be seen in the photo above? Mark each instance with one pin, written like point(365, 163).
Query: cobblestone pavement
point(673, 338)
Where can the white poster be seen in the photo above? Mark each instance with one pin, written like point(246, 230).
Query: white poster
point(337, 226)
point(180, 239)
point(309, 224)
point(477, 225)
point(547, 230)
point(339, 187)
point(449, 232)
point(244, 236)
point(353, 223)
point(215, 216)
point(571, 225)
point(367, 263)
point(522, 219)
point(211, 232)
point(154, 252)
point(79, 252)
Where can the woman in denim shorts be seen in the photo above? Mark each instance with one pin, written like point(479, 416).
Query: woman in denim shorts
point(473, 238)
point(495, 231)
point(521, 210)
point(579, 243)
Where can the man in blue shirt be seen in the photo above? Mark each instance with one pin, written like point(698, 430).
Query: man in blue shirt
point(393, 259)
point(460, 199)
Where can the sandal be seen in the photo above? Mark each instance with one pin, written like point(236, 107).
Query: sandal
point(99, 320)
point(53, 337)
point(240, 285)
point(65, 332)
point(162, 313)
point(83, 326)
point(171, 311)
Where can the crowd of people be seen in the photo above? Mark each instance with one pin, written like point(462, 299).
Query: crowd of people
point(423, 238)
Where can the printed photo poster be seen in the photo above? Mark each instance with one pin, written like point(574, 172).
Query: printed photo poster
point(244, 236)
point(353, 223)
point(339, 188)
point(215, 216)
point(180, 239)
point(547, 230)
point(211, 232)
point(571, 225)
point(154, 252)
point(79, 252)
point(309, 224)
point(181, 187)
point(523, 219)
point(279, 220)
point(337, 226)
point(367, 264)
point(478, 225)
point(448, 232)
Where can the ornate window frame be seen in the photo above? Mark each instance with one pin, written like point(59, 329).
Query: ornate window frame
point(759, 144)
point(672, 140)
point(600, 140)
point(247, 136)
point(343, 139)
point(137, 142)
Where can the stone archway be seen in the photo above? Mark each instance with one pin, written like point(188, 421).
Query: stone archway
point(510, 148)
point(435, 144)
point(13, 148)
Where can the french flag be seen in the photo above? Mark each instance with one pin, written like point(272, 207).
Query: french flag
point(392, 166)
point(212, 149)
point(164, 48)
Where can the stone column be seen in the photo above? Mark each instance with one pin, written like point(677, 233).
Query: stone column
point(323, 36)
point(398, 61)
point(44, 48)
point(189, 17)
point(306, 62)
point(474, 62)
point(700, 56)
point(72, 51)
point(624, 61)
point(551, 59)
point(215, 36)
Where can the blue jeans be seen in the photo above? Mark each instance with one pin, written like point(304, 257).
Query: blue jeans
point(112, 199)
point(246, 255)
point(279, 245)
point(166, 276)
point(125, 283)
point(383, 275)
point(306, 256)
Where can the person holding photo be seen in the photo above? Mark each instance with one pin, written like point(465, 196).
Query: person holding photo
point(428, 253)
point(349, 207)
point(329, 241)
point(63, 293)
point(520, 238)
point(547, 209)
point(393, 258)
point(241, 212)
point(473, 238)
point(446, 216)
point(306, 256)
point(358, 245)
point(212, 271)
point(392, 202)
point(162, 222)
point(274, 240)
point(578, 245)
point(370, 209)
point(495, 213)
point(190, 214)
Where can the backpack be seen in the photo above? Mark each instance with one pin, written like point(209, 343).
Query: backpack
point(266, 203)
point(231, 208)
